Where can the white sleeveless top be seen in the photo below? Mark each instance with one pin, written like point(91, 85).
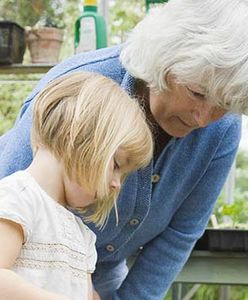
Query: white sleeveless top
point(59, 250)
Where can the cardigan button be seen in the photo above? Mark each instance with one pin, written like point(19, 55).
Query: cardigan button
point(155, 178)
point(134, 222)
point(110, 248)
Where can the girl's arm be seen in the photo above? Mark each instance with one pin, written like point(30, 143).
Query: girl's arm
point(13, 286)
point(92, 294)
point(96, 296)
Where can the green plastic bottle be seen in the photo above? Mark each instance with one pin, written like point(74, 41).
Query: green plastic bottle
point(90, 29)
point(150, 3)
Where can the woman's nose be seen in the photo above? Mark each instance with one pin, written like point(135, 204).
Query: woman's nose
point(202, 117)
point(207, 113)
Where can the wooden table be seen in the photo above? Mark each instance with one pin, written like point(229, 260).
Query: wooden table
point(216, 267)
point(207, 267)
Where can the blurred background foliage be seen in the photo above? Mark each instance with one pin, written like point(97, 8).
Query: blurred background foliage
point(236, 212)
point(123, 15)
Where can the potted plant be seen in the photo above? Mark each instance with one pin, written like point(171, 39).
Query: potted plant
point(38, 14)
point(44, 40)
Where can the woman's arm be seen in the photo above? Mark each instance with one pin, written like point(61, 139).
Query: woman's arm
point(163, 257)
point(13, 286)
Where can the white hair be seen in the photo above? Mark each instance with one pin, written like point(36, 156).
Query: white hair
point(203, 42)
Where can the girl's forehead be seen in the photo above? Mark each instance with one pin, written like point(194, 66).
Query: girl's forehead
point(122, 158)
point(122, 155)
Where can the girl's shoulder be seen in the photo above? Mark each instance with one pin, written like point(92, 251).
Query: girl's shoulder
point(16, 202)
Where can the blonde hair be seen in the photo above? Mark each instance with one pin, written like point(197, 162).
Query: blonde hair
point(82, 119)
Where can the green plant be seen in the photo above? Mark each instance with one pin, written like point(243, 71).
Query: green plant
point(237, 211)
point(212, 292)
point(11, 99)
point(28, 13)
point(124, 15)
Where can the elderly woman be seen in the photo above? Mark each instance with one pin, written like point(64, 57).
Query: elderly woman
point(187, 64)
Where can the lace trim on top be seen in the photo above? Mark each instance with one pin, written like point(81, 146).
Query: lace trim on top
point(53, 256)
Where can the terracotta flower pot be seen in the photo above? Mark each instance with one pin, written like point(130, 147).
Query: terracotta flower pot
point(44, 44)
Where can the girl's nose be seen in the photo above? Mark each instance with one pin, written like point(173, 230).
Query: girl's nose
point(116, 182)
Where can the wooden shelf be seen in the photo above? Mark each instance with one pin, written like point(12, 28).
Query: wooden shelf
point(25, 69)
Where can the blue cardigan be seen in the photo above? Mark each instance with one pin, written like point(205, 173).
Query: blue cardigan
point(162, 218)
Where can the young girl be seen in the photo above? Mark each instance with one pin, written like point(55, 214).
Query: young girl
point(87, 136)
